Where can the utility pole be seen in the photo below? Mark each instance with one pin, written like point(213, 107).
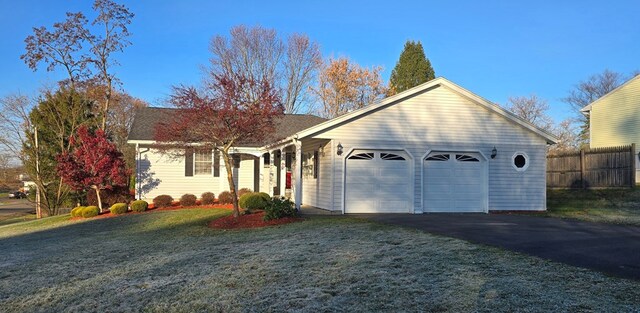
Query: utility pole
point(38, 208)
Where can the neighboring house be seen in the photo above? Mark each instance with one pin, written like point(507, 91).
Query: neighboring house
point(433, 148)
point(614, 119)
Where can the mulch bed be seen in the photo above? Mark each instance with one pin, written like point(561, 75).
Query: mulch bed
point(108, 214)
point(249, 221)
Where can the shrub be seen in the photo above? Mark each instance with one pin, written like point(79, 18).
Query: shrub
point(252, 201)
point(265, 196)
point(162, 201)
point(118, 208)
point(208, 198)
point(139, 206)
point(244, 191)
point(188, 199)
point(119, 194)
point(279, 208)
point(77, 211)
point(90, 211)
point(225, 197)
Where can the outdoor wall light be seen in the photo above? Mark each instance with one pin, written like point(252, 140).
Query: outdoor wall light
point(494, 152)
point(339, 148)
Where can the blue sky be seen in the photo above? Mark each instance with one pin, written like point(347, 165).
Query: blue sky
point(496, 49)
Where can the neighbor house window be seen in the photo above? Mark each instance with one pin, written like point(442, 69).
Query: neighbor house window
point(520, 161)
point(267, 159)
point(202, 162)
point(236, 160)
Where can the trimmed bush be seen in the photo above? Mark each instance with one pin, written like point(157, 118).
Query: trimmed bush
point(90, 211)
point(252, 201)
point(188, 199)
point(118, 208)
point(139, 206)
point(279, 208)
point(244, 191)
point(208, 198)
point(77, 211)
point(225, 197)
point(265, 196)
point(162, 201)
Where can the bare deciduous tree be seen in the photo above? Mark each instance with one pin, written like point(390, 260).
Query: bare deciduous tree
point(114, 19)
point(259, 54)
point(531, 109)
point(302, 60)
point(14, 123)
point(567, 135)
point(60, 47)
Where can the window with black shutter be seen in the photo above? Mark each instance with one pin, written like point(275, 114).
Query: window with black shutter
point(188, 162)
point(216, 163)
point(316, 164)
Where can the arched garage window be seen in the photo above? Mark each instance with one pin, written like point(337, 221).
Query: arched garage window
point(520, 161)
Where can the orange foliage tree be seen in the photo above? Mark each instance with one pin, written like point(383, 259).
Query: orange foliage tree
point(343, 86)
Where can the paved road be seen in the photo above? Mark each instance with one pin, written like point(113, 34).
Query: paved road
point(612, 249)
point(15, 207)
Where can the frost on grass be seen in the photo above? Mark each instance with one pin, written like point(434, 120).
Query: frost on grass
point(171, 261)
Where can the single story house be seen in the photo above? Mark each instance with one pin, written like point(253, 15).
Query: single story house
point(434, 148)
point(614, 119)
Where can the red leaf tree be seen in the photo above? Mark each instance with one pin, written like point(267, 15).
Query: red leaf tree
point(93, 162)
point(232, 109)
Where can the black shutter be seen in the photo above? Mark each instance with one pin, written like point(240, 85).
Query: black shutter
point(316, 163)
point(188, 162)
point(216, 163)
point(236, 160)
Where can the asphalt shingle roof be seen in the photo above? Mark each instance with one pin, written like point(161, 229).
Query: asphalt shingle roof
point(145, 120)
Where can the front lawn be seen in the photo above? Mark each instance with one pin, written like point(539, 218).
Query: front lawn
point(621, 206)
point(170, 261)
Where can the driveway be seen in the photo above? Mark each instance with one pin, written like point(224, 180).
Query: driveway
point(15, 207)
point(612, 249)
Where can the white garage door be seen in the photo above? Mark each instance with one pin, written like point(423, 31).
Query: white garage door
point(378, 182)
point(454, 182)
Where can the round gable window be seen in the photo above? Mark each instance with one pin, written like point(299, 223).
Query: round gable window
point(520, 161)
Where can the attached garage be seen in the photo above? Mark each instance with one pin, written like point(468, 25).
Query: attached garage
point(454, 182)
point(378, 181)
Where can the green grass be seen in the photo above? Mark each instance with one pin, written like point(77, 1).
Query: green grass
point(621, 206)
point(169, 261)
point(16, 218)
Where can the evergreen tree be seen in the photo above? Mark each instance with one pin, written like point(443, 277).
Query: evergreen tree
point(413, 68)
point(56, 117)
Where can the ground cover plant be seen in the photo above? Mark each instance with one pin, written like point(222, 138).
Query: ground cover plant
point(621, 206)
point(175, 263)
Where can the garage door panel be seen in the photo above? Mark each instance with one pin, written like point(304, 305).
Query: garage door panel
point(456, 184)
point(381, 183)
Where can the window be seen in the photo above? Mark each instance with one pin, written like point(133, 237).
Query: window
point(267, 159)
point(391, 157)
point(316, 164)
point(466, 158)
point(202, 162)
point(438, 157)
point(520, 161)
point(362, 156)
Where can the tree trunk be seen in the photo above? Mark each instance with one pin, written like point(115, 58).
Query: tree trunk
point(98, 195)
point(232, 186)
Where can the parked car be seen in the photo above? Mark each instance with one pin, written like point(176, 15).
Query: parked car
point(17, 195)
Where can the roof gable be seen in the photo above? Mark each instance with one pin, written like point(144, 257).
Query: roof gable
point(634, 80)
point(341, 120)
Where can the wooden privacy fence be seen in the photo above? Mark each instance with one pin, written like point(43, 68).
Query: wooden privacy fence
point(593, 168)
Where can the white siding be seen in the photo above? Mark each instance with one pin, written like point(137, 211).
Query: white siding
point(317, 192)
point(441, 119)
point(165, 174)
point(437, 115)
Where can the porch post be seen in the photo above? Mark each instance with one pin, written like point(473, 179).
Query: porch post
point(261, 171)
point(297, 175)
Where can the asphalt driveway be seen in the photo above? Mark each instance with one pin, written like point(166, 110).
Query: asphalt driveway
point(612, 249)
